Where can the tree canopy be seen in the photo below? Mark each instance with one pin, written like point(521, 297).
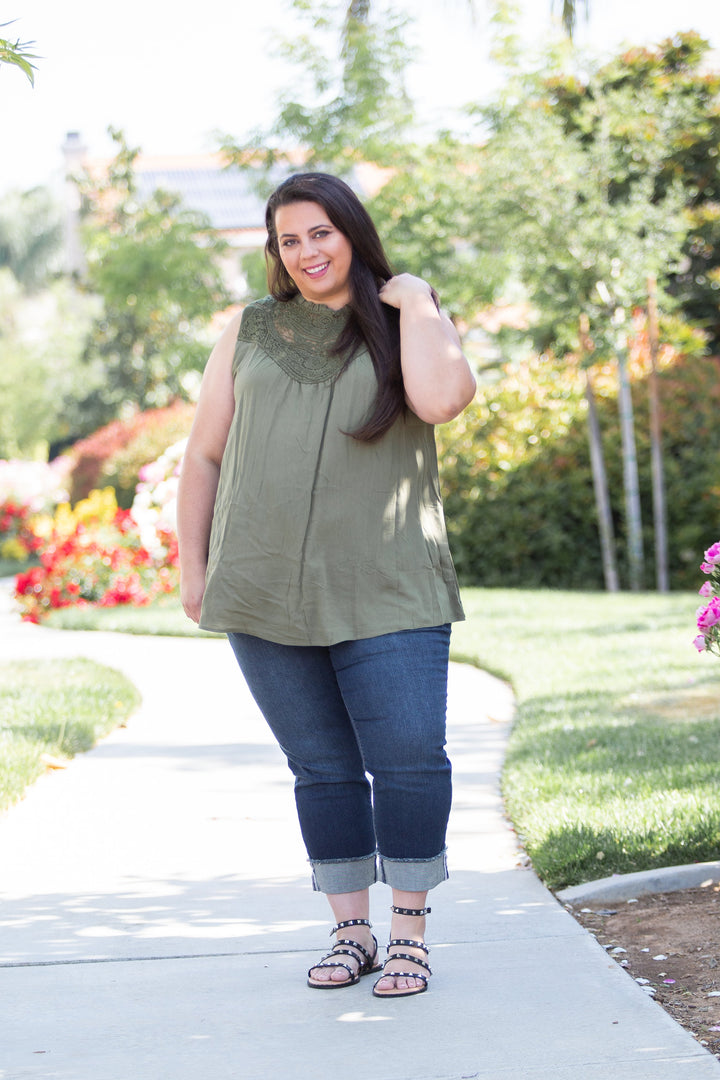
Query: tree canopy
point(156, 267)
point(30, 235)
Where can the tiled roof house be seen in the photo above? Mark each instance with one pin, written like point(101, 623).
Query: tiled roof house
point(223, 193)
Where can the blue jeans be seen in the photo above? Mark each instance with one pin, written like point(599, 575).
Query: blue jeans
point(373, 706)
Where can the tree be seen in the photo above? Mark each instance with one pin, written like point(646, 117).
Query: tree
point(30, 235)
point(155, 266)
point(680, 149)
point(569, 14)
point(41, 343)
point(16, 53)
point(677, 139)
point(578, 249)
point(662, 576)
point(354, 111)
point(360, 9)
point(599, 472)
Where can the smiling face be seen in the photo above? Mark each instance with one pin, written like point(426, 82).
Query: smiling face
point(316, 255)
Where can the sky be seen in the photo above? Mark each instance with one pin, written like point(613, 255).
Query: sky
point(171, 76)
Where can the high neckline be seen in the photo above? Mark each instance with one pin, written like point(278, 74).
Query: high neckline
point(320, 309)
point(300, 335)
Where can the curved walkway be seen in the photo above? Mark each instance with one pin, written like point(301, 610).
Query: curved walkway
point(157, 921)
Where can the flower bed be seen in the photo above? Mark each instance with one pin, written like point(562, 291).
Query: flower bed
point(27, 489)
point(99, 554)
point(17, 536)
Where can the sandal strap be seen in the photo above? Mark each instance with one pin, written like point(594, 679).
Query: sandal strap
point(326, 962)
point(355, 945)
point(363, 961)
point(338, 950)
point(410, 911)
point(409, 957)
point(408, 941)
point(350, 922)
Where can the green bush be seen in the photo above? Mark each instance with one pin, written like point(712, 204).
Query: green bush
point(518, 488)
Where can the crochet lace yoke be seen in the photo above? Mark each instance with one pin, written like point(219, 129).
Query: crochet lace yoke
point(298, 334)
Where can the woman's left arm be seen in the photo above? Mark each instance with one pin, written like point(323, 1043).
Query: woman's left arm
point(438, 380)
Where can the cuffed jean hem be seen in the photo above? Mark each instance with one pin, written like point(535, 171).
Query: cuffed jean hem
point(413, 875)
point(352, 875)
point(343, 875)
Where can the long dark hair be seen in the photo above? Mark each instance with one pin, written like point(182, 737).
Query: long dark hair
point(371, 322)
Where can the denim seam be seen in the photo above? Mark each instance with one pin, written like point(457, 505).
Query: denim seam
point(350, 859)
point(419, 879)
point(433, 858)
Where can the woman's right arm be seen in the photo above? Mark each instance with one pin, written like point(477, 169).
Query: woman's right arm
point(201, 469)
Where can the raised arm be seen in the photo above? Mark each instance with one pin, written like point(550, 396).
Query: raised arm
point(201, 469)
point(438, 380)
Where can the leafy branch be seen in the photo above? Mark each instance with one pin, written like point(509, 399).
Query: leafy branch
point(16, 52)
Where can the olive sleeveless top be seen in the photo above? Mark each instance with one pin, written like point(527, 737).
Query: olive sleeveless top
point(318, 538)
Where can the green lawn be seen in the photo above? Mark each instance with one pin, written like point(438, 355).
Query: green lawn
point(614, 759)
point(10, 567)
point(165, 617)
point(55, 709)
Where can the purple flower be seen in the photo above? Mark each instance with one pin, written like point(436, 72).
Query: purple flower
point(705, 589)
point(700, 643)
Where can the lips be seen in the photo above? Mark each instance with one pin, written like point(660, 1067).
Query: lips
point(316, 271)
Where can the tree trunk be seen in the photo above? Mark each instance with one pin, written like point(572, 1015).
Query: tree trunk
point(633, 518)
point(359, 10)
point(658, 472)
point(599, 475)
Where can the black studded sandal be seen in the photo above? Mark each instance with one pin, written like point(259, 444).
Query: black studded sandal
point(345, 947)
point(407, 943)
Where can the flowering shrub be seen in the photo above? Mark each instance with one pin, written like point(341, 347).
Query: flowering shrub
point(114, 454)
point(27, 488)
point(155, 505)
point(95, 554)
point(708, 617)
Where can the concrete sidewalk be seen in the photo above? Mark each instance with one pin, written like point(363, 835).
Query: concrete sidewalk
point(157, 919)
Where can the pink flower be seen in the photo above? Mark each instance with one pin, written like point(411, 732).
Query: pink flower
point(712, 555)
point(705, 589)
point(700, 643)
point(709, 616)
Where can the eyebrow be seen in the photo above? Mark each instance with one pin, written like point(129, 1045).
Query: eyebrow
point(324, 225)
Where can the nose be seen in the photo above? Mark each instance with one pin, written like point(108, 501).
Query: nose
point(308, 247)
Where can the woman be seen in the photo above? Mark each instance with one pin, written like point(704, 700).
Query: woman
point(311, 532)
